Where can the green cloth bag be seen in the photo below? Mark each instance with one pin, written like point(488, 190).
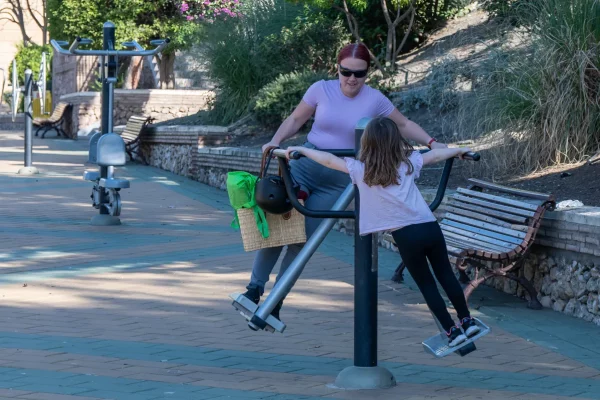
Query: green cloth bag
point(240, 188)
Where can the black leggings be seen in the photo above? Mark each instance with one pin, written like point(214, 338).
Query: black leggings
point(419, 243)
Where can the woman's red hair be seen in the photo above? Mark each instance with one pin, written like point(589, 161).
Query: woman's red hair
point(355, 50)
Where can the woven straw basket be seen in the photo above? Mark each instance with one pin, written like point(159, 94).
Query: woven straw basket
point(283, 229)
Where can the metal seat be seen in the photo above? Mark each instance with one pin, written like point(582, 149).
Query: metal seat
point(91, 176)
point(93, 151)
point(110, 151)
point(113, 183)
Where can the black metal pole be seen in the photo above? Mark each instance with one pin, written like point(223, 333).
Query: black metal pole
point(108, 71)
point(365, 289)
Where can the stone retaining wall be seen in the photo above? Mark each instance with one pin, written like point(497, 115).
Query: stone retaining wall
point(159, 104)
point(7, 124)
point(563, 264)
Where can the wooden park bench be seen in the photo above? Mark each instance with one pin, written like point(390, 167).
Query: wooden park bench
point(488, 235)
point(132, 135)
point(55, 121)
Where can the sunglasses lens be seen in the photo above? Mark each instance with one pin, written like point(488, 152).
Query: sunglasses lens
point(348, 72)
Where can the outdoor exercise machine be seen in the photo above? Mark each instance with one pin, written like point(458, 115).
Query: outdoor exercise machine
point(107, 149)
point(27, 89)
point(365, 373)
point(41, 83)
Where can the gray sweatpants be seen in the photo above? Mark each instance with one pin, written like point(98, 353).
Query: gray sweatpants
point(324, 186)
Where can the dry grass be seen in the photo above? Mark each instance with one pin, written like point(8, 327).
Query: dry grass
point(531, 99)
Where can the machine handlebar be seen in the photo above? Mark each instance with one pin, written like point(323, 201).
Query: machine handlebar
point(287, 178)
point(140, 51)
point(473, 156)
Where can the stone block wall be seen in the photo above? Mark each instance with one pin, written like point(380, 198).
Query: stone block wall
point(7, 124)
point(174, 148)
point(71, 74)
point(159, 104)
point(563, 264)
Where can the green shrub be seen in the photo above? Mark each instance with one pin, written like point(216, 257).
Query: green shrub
point(312, 41)
point(233, 48)
point(30, 57)
point(248, 53)
point(276, 101)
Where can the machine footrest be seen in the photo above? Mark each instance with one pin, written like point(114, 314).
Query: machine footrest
point(114, 183)
point(247, 308)
point(91, 176)
point(438, 345)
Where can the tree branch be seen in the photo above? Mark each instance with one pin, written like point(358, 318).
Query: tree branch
point(386, 13)
point(31, 12)
point(353, 25)
point(400, 18)
point(11, 19)
point(407, 34)
point(8, 10)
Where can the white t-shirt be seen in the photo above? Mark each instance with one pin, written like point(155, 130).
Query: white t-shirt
point(392, 207)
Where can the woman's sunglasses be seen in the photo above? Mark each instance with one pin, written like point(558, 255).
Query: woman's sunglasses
point(348, 72)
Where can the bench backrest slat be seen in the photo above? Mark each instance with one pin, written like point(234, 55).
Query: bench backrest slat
point(477, 216)
point(484, 232)
point(499, 199)
point(486, 211)
point(133, 129)
point(519, 192)
point(471, 244)
point(488, 241)
point(58, 112)
point(485, 225)
point(494, 206)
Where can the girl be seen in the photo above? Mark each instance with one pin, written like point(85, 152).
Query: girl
point(385, 172)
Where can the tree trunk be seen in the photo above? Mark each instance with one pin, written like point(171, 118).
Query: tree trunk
point(133, 73)
point(19, 13)
point(45, 31)
point(389, 47)
point(167, 77)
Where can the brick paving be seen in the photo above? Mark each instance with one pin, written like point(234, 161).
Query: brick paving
point(141, 310)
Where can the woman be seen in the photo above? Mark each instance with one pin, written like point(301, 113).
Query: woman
point(337, 106)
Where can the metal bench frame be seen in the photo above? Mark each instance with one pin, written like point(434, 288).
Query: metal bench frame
point(55, 121)
point(489, 235)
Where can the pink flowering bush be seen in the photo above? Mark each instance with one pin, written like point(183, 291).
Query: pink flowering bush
point(209, 10)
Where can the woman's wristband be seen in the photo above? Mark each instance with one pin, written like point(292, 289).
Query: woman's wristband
point(431, 142)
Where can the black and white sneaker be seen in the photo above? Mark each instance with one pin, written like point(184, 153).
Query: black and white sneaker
point(469, 327)
point(455, 336)
point(253, 294)
point(276, 310)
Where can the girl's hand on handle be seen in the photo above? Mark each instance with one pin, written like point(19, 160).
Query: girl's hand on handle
point(463, 151)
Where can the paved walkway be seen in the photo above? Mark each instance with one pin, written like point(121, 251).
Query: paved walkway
point(141, 310)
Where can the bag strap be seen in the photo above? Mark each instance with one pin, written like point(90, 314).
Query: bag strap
point(266, 161)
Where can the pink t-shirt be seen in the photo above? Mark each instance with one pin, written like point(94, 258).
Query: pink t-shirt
point(393, 207)
point(336, 115)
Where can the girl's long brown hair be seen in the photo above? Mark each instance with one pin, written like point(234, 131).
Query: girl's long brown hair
point(382, 150)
